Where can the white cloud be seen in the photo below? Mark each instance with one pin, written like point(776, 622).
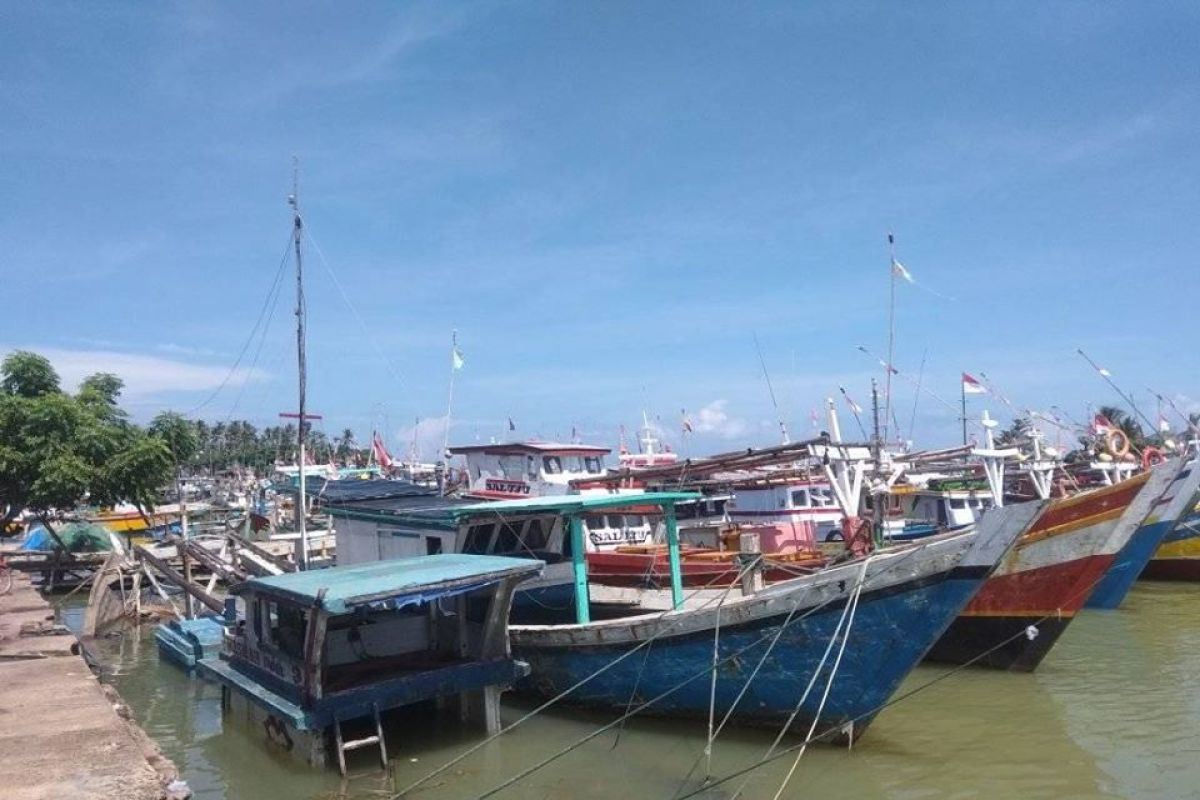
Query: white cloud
point(714, 419)
point(144, 375)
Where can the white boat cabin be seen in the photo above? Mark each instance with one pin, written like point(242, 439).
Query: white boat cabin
point(810, 506)
point(517, 470)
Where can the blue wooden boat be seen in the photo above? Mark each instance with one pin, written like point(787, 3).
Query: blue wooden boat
point(1156, 511)
point(906, 598)
point(184, 642)
point(323, 648)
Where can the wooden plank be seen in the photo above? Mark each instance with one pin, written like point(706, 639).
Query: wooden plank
point(164, 569)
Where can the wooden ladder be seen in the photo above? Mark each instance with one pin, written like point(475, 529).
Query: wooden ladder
point(355, 744)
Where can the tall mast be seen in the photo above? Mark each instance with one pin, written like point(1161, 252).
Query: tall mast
point(297, 233)
point(887, 390)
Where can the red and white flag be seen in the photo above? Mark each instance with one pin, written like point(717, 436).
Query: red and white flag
point(381, 453)
point(1101, 425)
point(971, 386)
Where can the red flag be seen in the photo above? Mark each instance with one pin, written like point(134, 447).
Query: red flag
point(971, 386)
point(1101, 425)
point(381, 453)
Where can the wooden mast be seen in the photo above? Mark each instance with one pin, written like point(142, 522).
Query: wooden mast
point(297, 233)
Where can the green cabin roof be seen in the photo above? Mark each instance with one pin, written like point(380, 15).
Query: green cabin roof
point(571, 503)
point(419, 578)
point(447, 515)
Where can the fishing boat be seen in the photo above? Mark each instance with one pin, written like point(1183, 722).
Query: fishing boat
point(883, 611)
point(1043, 581)
point(1178, 557)
point(324, 649)
point(184, 642)
point(1167, 495)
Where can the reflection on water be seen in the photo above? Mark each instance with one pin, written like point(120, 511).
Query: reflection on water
point(1111, 713)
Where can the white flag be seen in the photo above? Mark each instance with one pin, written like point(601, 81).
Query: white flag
point(456, 358)
point(900, 271)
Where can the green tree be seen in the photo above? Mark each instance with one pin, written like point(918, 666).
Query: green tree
point(57, 450)
point(28, 375)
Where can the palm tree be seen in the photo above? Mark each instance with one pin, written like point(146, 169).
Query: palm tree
point(1126, 423)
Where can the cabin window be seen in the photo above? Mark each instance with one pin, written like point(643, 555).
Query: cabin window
point(958, 503)
point(288, 627)
point(513, 467)
point(573, 464)
point(822, 497)
point(509, 538)
point(800, 498)
point(530, 467)
point(257, 616)
point(536, 535)
point(433, 545)
point(478, 538)
point(551, 465)
point(592, 465)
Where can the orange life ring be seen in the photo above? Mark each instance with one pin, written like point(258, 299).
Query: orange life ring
point(1152, 456)
point(1116, 442)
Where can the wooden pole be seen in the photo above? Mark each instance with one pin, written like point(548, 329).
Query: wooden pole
point(174, 577)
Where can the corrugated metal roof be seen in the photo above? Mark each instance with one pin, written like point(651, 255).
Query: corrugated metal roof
point(354, 489)
point(377, 581)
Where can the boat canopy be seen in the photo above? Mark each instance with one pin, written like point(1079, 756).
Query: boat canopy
point(573, 503)
point(393, 583)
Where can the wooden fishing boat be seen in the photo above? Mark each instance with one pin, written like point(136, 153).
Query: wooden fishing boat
point(883, 611)
point(1159, 509)
point(324, 648)
point(1178, 557)
point(1042, 582)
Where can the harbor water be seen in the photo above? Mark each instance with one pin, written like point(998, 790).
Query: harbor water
point(1113, 712)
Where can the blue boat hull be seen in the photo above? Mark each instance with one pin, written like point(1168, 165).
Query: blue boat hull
point(185, 642)
point(1128, 565)
point(892, 630)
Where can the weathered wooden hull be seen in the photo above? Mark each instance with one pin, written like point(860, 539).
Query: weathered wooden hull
point(909, 596)
point(1042, 582)
point(1163, 507)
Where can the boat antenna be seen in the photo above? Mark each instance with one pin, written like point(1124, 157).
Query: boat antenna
point(912, 421)
point(855, 410)
point(887, 391)
point(770, 389)
point(1108, 379)
point(301, 363)
point(1186, 419)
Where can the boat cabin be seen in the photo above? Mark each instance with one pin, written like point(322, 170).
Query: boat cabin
point(319, 649)
point(533, 528)
point(514, 470)
point(804, 509)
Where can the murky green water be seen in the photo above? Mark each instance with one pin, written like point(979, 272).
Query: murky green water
point(1113, 712)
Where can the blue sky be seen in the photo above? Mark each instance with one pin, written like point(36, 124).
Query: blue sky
point(608, 202)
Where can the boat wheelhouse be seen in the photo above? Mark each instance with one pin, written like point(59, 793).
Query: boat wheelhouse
point(323, 648)
point(514, 470)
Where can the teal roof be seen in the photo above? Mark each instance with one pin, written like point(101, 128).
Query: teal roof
point(572, 503)
point(414, 579)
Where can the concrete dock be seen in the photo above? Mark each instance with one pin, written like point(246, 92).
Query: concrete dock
point(63, 734)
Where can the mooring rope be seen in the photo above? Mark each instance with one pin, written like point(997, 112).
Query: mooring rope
point(888, 703)
point(552, 701)
point(530, 770)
